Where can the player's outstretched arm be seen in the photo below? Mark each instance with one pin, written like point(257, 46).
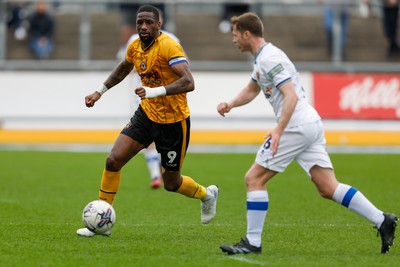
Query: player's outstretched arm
point(246, 95)
point(116, 76)
point(119, 73)
point(91, 99)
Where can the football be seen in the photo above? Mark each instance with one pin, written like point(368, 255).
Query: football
point(98, 216)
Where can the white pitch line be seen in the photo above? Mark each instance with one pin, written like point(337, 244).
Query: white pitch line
point(244, 259)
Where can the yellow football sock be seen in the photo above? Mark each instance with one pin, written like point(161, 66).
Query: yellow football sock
point(109, 185)
point(191, 189)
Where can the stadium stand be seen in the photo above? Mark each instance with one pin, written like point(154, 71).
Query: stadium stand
point(301, 36)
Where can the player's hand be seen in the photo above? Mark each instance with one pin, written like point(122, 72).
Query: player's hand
point(223, 108)
point(91, 99)
point(147, 92)
point(140, 92)
point(275, 136)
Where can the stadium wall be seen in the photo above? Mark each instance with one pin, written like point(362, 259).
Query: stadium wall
point(48, 107)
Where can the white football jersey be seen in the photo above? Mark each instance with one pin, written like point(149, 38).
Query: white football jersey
point(271, 69)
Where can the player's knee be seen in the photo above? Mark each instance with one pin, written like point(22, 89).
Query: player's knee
point(171, 187)
point(112, 164)
point(172, 180)
point(250, 181)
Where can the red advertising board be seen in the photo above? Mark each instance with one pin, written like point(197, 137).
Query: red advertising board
point(357, 96)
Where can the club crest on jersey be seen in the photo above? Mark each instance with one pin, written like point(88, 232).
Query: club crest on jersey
point(143, 66)
point(268, 92)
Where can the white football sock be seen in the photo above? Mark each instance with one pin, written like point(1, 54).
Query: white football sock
point(355, 201)
point(257, 207)
point(153, 163)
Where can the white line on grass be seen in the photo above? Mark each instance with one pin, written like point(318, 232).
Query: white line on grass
point(244, 259)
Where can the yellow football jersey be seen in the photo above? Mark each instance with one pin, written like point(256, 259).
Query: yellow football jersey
point(153, 65)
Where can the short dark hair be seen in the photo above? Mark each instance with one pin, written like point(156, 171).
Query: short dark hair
point(248, 22)
point(151, 9)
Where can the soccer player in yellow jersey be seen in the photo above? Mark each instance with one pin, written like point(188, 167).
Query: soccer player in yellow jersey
point(163, 116)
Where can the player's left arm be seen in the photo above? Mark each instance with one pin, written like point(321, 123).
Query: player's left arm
point(290, 99)
point(184, 84)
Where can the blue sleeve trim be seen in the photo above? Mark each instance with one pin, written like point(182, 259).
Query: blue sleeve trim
point(282, 82)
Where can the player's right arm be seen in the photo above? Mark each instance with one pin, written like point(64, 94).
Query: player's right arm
point(116, 76)
point(290, 99)
point(246, 95)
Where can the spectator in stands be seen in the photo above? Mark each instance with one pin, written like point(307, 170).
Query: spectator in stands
point(390, 15)
point(336, 10)
point(16, 15)
point(230, 10)
point(41, 31)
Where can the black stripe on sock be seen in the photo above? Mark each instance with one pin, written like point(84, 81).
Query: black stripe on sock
point(106, 192)
point(198, 186)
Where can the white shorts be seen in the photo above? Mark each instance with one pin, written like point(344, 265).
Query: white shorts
point(305, 144)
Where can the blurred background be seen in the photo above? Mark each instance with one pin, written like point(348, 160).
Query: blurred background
point(53, 53)
point(92, 30)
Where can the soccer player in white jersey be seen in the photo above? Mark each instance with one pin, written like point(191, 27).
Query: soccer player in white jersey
point(151, 155)
point(298, 135)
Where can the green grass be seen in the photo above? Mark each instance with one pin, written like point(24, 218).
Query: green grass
point(43, 194)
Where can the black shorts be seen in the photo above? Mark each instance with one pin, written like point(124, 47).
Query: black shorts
point(171, 139)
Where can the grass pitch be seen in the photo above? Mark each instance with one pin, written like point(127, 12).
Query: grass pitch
point(43, 194)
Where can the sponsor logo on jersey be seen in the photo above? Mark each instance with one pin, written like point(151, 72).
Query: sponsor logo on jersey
point(151, 78)
point(268, 92)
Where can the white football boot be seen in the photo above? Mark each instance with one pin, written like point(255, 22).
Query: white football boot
point(87, 233)
point(209, 207)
